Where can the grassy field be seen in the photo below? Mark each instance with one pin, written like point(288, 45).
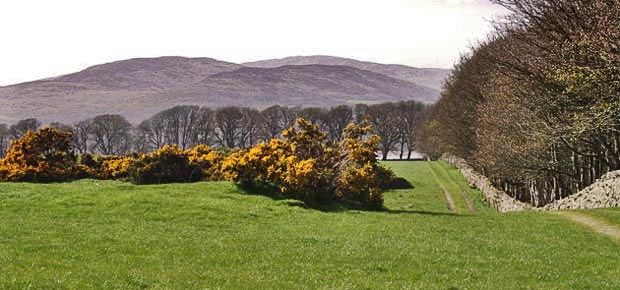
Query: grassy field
point(113, 235)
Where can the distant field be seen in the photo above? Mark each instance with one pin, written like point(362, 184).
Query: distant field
point(210, 235)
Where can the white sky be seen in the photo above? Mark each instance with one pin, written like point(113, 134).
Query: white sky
point(46, 38)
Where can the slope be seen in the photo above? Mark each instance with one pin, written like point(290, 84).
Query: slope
point(429, 77)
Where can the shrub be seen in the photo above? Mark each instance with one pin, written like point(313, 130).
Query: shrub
point(115, 167)
point(209, 161)
point(257, 165)
point(360, 175)
point(309, 164)
point(295, 165)
point(106, 167)
point(305, 165)
point(167, 165)
point(41, 156)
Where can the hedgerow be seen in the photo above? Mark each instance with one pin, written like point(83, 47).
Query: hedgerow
point(304, 164)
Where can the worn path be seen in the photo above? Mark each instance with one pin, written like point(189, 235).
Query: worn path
point(468, 201)
point(446, 193)
point(598, 225)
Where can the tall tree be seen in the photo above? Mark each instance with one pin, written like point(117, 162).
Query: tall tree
point(249, 127)
point(81, 131)
point(20, 128)
point(409, 114)
point(336, 119)
point(272, 122)
point(385, 125)
point(181, 122)
point(205, 128)
point(228, 126)
point(5, 139)
point(111, 134)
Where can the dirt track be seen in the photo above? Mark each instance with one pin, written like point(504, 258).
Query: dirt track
point(446, 193)
point(598, 225)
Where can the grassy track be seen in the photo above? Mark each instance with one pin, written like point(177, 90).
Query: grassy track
point(446, 193)
point(596, 224)
point(210, 235)
point(464, 195)
point(610, 215)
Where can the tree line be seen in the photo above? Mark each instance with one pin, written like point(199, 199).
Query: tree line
point(228, 127)
point(536, 106)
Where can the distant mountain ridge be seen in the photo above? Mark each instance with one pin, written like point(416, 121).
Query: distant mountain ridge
point(140, 87)
point(429, 77)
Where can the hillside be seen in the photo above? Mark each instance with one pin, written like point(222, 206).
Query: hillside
point(429, 77)
point(138, 88)
point(306, 85)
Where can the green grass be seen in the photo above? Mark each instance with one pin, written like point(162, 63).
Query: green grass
point(476, 196)
point(611, 215)
point(210, 235)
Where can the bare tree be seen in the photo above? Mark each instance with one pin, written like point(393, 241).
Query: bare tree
point(385, 125)
point(180, 125)
point(61, 126)
point(249, 127)
point(81, 135)
point(20, 128)
point(156, 127)
point(289, 115)
point(272, 123)
point(360, 112)
point(111, 134)
point(228, 126)
point(336, 119)
point(314, 115)
point(142, 138)
point(205, 127)
point(409, 114)
point(5, 139)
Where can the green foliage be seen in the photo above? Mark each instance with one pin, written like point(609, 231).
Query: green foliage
point(41, 156)
point(208, 160)
point(359, 175)
point(167, 165)
point(307, 166)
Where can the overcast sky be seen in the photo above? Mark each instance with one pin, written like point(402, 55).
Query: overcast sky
point(48, 38)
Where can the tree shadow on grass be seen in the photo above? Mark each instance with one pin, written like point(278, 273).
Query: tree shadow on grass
point(421, 212)
point(262, 190)
point(397, 183)
point(331, 205)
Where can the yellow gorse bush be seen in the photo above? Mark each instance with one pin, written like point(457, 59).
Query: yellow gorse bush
point(41, 156)
point(207, 159)
point(115, 167)
point(304, 164)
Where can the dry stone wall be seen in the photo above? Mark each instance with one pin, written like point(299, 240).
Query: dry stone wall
point(496, 198)
point(605, 192)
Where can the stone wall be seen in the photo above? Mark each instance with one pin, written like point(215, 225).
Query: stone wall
point(496, 198)
point(605, 192)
